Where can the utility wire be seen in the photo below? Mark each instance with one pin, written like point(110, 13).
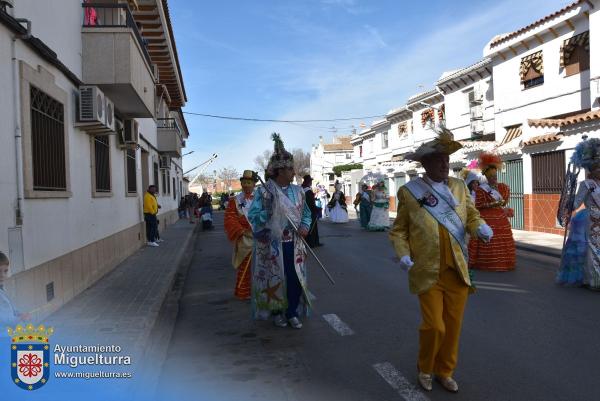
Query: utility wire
point(281, 121)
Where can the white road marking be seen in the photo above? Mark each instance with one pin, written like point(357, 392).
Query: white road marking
point(399, 383)
point(493, 283)
point(487, 287)
point(336, 323)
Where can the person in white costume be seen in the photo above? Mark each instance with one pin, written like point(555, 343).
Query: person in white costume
point(380, 216)
point(338, 211)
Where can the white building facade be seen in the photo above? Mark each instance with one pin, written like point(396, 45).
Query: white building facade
point(92, 114)
point(531, 99)
point(325, 156)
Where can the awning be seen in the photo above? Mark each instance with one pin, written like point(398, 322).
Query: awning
point(537, 140)
point(534, 61)
point(561, 122)
point(569, 45)
point(511, 133)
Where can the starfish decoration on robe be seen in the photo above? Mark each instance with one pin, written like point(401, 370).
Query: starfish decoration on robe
point(270, 291)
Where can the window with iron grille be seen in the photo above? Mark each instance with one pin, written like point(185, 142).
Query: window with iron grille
point(47, 142)
point(102, 163)
point(155, 171)
point(131, 171)
point(168, 182)
point(548, 170)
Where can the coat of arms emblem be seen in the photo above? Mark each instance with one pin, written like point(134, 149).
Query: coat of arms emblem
point(30, 356)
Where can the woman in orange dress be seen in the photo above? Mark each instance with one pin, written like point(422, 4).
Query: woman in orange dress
point(491, 199)
point(239, 232)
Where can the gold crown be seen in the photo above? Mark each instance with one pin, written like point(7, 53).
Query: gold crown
point(30, 333)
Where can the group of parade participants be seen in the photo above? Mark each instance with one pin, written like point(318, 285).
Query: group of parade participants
point(444, 227)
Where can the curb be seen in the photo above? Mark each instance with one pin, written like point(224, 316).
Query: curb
point(157, 341)
point(543, 250)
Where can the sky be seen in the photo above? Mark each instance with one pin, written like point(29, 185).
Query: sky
point(320, 59)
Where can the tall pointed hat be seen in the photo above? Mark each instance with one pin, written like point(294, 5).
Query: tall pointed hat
point(281, 158)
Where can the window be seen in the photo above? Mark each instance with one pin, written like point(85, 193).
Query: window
point(348, 156)
point(47, 142)
point(575, 54)
point(402, 129)
point(168, 182)
point(548, 172)
point(102, 163)
point(164, 181)
point(384, 140)
point(360, 151)
point(155, 174)
point(470, 98)
point(130, 164)
point(174, 189)
point(532, 70)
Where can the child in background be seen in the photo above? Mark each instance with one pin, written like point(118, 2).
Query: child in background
point(8, 314)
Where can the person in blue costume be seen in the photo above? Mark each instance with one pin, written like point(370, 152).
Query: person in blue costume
point(575, 253)
point(279, 288)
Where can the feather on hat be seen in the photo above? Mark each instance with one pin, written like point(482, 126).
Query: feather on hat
point(469, 176)
point(443, 143)
point(587, 154)
point(488, 160)
point(281, 158)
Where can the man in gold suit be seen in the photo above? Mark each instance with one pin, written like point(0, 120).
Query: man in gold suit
point(435, 213)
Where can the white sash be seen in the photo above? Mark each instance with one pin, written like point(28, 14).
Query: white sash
point(493, 193)
point(243, 204)
point(439, 208)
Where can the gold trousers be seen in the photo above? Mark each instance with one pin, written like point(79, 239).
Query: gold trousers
point(442, 308)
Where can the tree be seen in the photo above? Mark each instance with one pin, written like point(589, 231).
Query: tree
point(301, 162)
point(346, 167)
point(228, 175)
point(261, 161)
point(202, 179)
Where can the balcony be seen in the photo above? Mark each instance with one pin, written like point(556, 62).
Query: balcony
point(169, 140)
point(116, 59)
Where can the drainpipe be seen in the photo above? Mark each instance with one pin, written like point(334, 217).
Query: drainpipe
point(17, 122)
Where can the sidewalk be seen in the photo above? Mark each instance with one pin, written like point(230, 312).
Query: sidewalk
point(127, 306)
point(533, 241)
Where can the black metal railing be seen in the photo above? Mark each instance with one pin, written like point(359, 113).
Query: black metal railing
point(169, 123)
point(101, 15)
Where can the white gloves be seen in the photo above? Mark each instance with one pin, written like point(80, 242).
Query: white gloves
point(406, 262)
point(485, 233)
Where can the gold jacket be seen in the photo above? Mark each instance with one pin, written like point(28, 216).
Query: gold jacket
point(416, 233)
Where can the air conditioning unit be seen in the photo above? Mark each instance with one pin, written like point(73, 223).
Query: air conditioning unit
point(476, 113)
point(96, 112)
point(91, 105)
point(164, 162)
point(477, 127)
point(130, 134)
point(109, 111)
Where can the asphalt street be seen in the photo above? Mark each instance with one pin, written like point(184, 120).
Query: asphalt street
point(524, 338)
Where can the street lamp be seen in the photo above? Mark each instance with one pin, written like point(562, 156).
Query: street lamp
point(188, 153)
